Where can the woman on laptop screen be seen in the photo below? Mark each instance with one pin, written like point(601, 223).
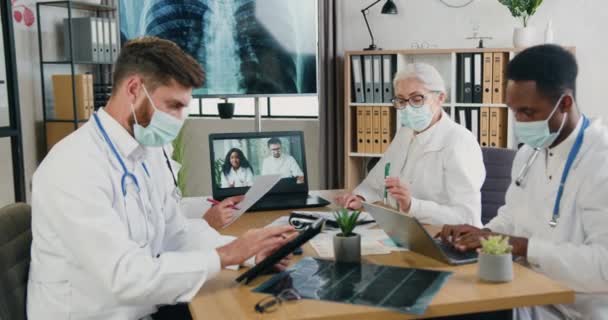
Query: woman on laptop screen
point(236, 171)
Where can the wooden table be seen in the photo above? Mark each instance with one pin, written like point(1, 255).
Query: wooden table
point(222, 298)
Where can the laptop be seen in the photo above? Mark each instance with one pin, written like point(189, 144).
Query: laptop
point(238, 158)
point(407, 232)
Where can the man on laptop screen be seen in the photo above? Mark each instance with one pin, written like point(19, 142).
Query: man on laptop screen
point(280, 163)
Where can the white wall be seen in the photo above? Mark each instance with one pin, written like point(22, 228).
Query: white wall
point(579, 23)
point(197, 147)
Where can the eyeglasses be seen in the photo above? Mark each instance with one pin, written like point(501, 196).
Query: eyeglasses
point(272, 303)
point(416, 101)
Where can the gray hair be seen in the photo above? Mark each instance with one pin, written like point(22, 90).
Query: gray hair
point(425, 73)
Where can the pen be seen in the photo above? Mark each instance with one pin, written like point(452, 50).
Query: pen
point(215, 202)
point(387, 169)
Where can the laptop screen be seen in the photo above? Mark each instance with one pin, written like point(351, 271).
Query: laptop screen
point(238, 158)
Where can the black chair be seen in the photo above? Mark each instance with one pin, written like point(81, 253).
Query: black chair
point(498, 163)
point(15, 243)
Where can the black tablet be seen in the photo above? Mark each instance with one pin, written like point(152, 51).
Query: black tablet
point(305, 235)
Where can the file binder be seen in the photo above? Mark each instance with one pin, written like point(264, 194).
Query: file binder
point(357, 79)
point(113, 40)
point(462, 118)
point(388, 72)
point(475, 122)
point(101, 53)
point(459, 77)
point(64, 99)
point(368, 130)
point(368, 78)
point(377, 70)
point(360, 129)
point(487, 78)
point(499, 75)
point(477, 78)
point(388, 127)
point(484, 132)
point(84, 40)
point(106, 40)
point(376, 131)
point(498, 127)
point(468, 78)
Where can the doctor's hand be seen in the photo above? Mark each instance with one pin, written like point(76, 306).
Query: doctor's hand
point(284, 263)
point(400, 191)
point(350, 201)
point(253, 242)
point(221, 214)
point(454, 233)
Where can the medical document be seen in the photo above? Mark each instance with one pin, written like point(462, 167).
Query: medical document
point(261, 186)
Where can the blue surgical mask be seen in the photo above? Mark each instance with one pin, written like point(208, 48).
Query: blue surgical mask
point(537, 134)
point(162, 130)
point(417, 119)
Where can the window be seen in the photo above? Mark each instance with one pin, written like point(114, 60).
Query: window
point(270, 107)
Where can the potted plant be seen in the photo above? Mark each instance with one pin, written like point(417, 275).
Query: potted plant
point(347, 245)
point(495, 260)
point(524, 10)
point(225, 109)
point(178, 156)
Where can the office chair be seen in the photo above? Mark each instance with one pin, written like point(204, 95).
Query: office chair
point(498, 164)
point(15, 243)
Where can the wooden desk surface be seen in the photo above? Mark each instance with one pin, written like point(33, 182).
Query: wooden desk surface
point(222, 298)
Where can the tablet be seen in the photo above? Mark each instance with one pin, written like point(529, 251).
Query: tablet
point(265, 265)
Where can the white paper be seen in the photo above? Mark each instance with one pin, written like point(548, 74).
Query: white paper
point(261, 186)
point(373, 242)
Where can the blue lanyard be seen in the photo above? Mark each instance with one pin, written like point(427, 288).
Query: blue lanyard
point(571, 156)
point(126, 174)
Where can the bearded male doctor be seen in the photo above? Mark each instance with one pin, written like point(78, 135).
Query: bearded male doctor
point(556, 210)
point(109, 239)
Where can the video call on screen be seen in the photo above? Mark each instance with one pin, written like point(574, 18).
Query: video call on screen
point(237, 162)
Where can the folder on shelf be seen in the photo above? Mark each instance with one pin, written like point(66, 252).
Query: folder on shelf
point(63, 96)
point(357, 77)
point(376, 131)
point(475, 122)
point(487, 78)
point(477, 78)
point(499, 75)
point(484, 132)
point(55, 131)
point(84, 41)
point(498, 127)
point(368, 78)
point(368, 130)
point(91, 95)
point(389, 64)
point(468, 78)
point(106, 40)
point(360, 124)
point(459, 77)
point(101, 54)
point(377, 70)
point(388, 127)
point(113, 40)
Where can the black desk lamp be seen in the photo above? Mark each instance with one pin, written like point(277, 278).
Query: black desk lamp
point(388, 8)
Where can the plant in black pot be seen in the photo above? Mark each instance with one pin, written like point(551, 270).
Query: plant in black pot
point(225, 109)
point(347, 244)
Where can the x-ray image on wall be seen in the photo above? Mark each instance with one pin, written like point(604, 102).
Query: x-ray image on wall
point(246, 47)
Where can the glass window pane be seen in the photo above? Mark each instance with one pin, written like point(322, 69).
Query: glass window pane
point(4, 113)
point(295, 106)
point(7, 187)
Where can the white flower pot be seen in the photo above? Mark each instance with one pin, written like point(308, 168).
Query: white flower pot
point(524, 37)
point(495, 268)
point(347, 249)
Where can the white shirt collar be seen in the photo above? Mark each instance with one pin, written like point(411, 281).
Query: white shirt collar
point(125, 144)
point(563, 149)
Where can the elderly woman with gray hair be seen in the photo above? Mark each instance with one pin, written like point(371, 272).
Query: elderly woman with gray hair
point(436, 166)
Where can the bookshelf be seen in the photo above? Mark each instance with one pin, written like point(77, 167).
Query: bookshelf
point(85, 81)
point(446, 62)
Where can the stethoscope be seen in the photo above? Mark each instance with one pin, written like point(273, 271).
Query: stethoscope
point(127, 175)
point(523, 173)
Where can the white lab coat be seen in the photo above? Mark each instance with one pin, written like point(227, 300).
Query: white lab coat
point(285, 165)
point(243, 177)
point(444, 169)
point(575, 252)
point(87, 260)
